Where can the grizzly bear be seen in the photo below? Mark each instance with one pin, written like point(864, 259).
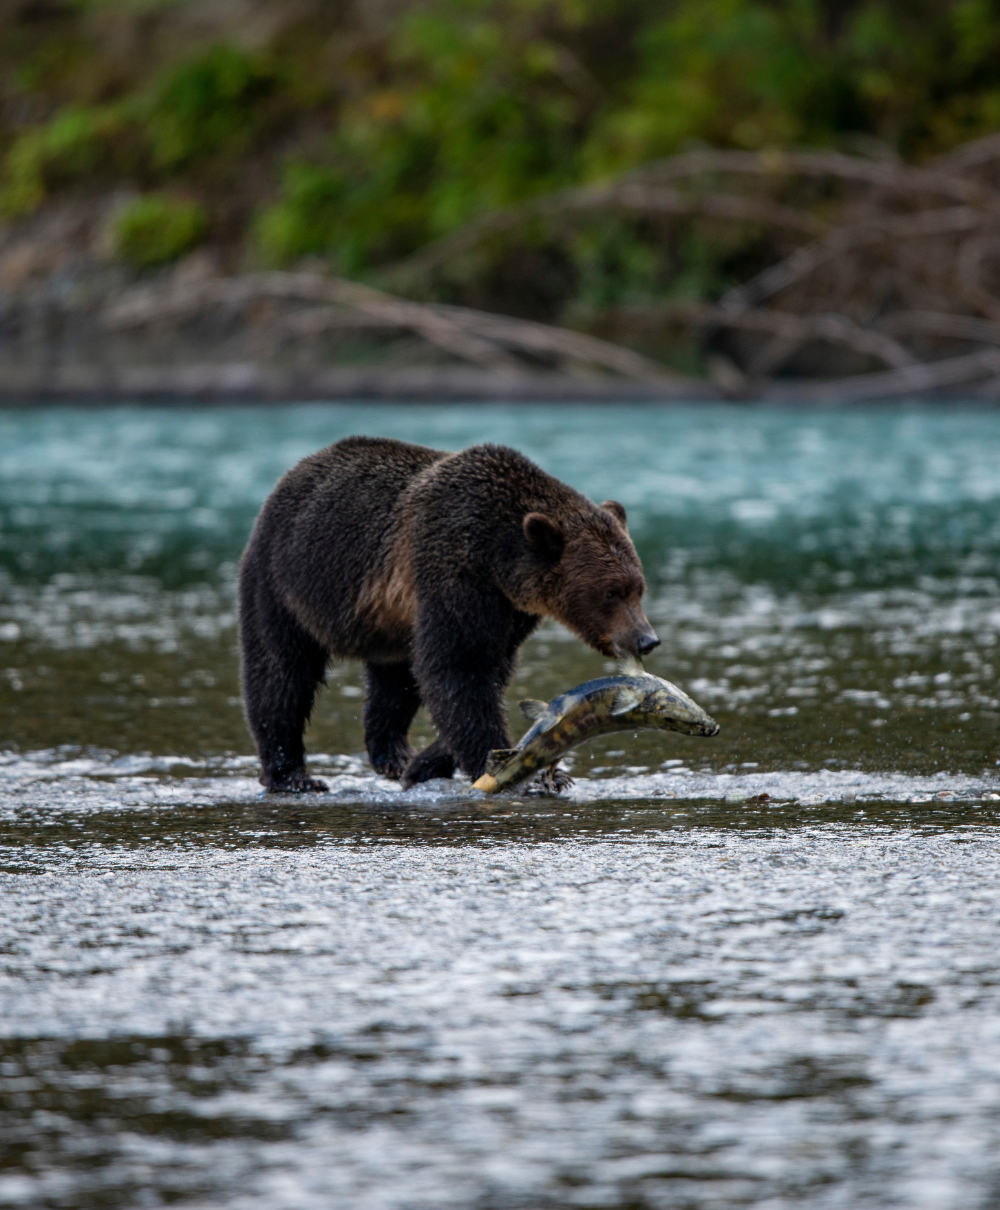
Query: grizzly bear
point(432, 568)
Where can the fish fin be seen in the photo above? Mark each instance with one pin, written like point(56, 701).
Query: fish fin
point(532, 708)
point(498, 758)
point(625, 700)
point(631, 665)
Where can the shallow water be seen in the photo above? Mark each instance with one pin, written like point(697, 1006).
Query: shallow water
point(755, 970)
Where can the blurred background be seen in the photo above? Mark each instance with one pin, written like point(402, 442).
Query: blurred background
point(746, 194)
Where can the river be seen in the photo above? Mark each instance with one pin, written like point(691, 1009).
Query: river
point(757, 970)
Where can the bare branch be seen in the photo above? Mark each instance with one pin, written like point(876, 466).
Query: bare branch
point(475, 336)
point(792, 331)
point(835, 329)
point(561, 343)
point(898, 178)
point(176, 301)
point(970, 155)
point(909, 380)
point(874, 229)
point(311, 321)
point(968, 271)
point(940, 323)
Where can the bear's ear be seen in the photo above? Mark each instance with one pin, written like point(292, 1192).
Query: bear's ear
point(616, 510)
point(544, 536)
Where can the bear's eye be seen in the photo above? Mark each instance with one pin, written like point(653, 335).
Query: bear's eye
point(611, 595)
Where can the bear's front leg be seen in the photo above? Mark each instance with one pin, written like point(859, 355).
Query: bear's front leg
point(393, 700)
point(463, 657)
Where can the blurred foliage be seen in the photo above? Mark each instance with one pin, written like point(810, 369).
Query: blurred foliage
point(362, 133)
point(209, 104)
point(155, 230)
point(71, 145)
point(206, 112)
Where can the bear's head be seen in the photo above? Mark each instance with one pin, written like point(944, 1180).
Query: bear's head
point(592, 579)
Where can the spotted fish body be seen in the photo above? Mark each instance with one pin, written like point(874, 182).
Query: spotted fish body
point(610, 703)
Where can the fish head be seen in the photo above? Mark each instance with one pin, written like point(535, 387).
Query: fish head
point(652, 702)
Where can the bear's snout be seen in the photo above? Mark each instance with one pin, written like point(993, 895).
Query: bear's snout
point(646, 643)
point(633, 634)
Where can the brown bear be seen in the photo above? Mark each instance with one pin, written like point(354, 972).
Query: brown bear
point(433, 568)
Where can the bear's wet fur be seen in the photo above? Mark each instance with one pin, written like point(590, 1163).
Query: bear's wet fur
point(432, 568)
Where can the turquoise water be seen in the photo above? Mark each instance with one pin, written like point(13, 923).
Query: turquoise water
point(795, 500)
point(759, 970)
point(826, 581)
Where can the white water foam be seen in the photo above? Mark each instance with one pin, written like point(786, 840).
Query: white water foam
point(61, 781)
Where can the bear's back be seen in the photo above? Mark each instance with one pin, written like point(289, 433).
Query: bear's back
point(354, 533)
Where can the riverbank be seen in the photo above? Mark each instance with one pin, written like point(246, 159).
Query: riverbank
point(75, 327)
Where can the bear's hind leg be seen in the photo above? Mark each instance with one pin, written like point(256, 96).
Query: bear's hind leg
point(282, 668)
point(393, 700)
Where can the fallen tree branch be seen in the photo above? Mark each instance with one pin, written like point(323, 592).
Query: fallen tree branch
point(874, 229)
point(940, 323)
point(796, 330)
point(475, 336)
point(970, 155)
point(312, 321)
point(909, 380)
point(563, 343)
point(968, 271)
point(176, 300)
point(792, 330)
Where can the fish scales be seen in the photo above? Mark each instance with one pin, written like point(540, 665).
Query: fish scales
point(598, 707)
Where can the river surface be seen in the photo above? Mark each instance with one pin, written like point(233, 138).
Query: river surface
point(760, 970)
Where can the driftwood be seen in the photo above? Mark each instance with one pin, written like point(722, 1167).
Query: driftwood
point(494, 342)
point(905, 275)
point(463, 332)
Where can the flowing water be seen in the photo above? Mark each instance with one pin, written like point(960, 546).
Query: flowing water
point(759, 970)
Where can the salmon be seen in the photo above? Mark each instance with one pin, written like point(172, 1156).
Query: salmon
point(630, 702)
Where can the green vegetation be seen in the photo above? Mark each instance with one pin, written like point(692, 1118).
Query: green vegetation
point(71, 146)
point(315, 129)
point(155, 230)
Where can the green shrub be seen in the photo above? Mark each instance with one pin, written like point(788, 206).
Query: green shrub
point(154, 230)
point(921, 75)
point(206, 104)
point(45, 157)
point(478, 115)
point(304, 222)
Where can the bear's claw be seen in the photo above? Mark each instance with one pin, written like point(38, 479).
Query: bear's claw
point(553, 780)
point(434, 761)
point(294, 783)
point(393, 764)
